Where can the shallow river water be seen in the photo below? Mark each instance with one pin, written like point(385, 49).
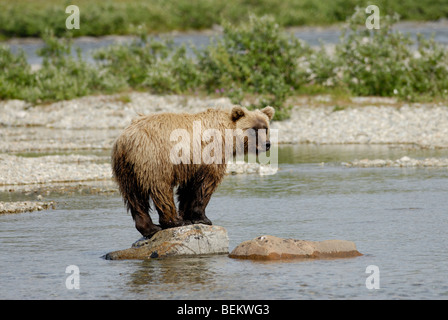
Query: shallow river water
point(397, 217)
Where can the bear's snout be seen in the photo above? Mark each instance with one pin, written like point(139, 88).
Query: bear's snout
point(263, 147)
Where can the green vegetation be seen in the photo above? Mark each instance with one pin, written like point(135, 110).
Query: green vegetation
point(255, 61)
point(25, 18)
point(255, 58)
point(382, 63)
point(149, 64)
point(60, 77)
point(16, 78)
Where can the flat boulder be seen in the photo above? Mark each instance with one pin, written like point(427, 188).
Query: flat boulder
point(197, 239)
point(274, 248)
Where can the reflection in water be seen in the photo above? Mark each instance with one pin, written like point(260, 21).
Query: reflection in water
point(166, 274)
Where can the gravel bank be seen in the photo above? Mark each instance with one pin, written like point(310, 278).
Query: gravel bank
point(94, 122)
point(52, 169)
point(87, 123)
point(421, 125)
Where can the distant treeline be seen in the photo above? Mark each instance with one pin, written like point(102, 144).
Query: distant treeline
point(31, 18)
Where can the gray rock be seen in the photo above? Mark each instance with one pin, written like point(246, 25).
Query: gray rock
point(197, 239)
point(402, 162)
point(25, 206)
point(274, 248)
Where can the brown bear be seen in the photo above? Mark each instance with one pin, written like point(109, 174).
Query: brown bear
point(149, 162)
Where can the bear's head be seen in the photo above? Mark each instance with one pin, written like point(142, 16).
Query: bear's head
point(252, 128)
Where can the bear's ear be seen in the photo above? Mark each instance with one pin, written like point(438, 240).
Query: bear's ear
point(237, 113)
point(269, 111)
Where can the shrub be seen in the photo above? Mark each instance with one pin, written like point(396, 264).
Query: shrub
point(429, 72)
point(256, 57)
point(373, 62)
point(16, 79)
point(64, 76)
point(61, 76)
point(383, 63)
point(322, 68)
point(175, 74)
point(152, 64)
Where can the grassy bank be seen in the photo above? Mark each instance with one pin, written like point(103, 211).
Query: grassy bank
point(30, 18)
point(254, 61)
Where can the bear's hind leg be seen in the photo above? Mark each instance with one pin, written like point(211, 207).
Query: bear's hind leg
point(138, 205)
point(144, 224)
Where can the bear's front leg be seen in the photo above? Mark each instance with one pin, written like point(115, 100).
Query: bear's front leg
point(169, 222)
point(197, 216)
point(188, 205)
point(193, 199)
point(166, 208)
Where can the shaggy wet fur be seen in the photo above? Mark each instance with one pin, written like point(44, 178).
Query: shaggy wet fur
point(143, 170)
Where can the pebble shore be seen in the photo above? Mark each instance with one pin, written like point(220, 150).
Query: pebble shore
point(41, 170)
point(93, 123)
point(372, 121)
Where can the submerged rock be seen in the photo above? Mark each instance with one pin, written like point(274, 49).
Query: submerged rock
point(402, 162)
point(239, 167)
point(274, 248)
point(197, 239)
